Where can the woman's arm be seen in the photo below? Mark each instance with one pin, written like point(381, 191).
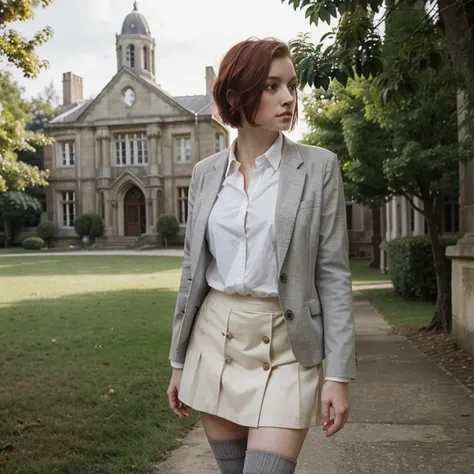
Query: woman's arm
point(333, 277)
point(185, 274)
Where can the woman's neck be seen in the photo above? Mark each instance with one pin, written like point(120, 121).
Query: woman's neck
point(252, 143)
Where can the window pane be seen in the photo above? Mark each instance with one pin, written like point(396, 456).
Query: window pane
point(188, 149)
point(145, 151)
point(132, 155)
point(178, 149)
point(140, 152)
point(117, 152)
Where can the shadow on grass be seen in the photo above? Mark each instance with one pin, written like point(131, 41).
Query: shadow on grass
point(88, 265)
point(404, 315)
point(59, 359)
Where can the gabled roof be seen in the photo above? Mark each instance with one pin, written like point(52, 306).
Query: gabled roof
point(189, 104)
point(200, 104)
point(70, 113)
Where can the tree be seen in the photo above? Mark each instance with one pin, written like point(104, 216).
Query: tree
point(167, 226)
point(17, 50)
point(15, 205)
point(356, 43)
point(14, 174)
point(337, 121)
point(423, 129)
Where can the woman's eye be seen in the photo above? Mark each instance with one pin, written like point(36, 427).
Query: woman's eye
point(293, 87)
point(270, 87)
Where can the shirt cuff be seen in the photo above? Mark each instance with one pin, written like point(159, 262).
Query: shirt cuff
point(177, 365)
point(338, 379)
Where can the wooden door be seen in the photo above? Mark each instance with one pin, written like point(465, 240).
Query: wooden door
point(134, 213)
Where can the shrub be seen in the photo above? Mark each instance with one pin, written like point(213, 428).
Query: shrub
point(33, 243)
point(411, 267)
point(167, 226)
point(47, 230)
point(89, 224)
point(2, 239)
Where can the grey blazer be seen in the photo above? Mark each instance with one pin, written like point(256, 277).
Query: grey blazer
point(315, 285)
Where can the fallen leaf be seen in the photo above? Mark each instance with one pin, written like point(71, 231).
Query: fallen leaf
point(7, 447)
point(465, 415)
point(19, 420)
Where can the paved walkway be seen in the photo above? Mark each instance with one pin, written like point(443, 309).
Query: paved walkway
point(407, 416)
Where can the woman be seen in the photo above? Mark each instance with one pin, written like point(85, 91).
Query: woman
point(265, 291)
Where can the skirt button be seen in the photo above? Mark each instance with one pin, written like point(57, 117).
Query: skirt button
point(266, 366)
point(228, 360)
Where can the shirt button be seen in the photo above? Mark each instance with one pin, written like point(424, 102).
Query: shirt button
point(289, 315)
point(228, 360)
point(266, 366)
point(283, 277)
point(266, 340)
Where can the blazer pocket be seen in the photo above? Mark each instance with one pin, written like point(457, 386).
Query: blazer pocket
point(306, 204)
point(315, 307)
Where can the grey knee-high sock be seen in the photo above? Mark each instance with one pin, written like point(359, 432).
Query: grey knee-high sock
point(264, 462)
point(230, 455)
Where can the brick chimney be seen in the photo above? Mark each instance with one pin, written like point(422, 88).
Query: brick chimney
point(210, 77)
point(72, 88)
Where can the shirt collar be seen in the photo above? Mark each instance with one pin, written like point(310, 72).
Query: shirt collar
point(273, 156)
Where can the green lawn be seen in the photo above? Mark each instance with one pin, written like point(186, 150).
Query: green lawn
point(10, 250)
point(362, 274)
point(72, 328)
point(405, 316)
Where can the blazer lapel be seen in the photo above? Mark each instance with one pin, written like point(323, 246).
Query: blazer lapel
point(211, 185)
point(290, 187)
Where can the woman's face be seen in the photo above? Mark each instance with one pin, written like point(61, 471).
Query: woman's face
point(277, 105)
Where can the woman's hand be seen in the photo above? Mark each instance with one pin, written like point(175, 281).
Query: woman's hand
point(178, 407)
point(335, 395)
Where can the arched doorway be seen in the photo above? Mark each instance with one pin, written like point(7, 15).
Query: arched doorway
point(134, 212)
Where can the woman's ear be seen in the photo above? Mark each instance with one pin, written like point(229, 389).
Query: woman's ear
point(231, 97)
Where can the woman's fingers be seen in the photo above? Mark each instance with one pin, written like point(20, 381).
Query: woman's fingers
point(177, 406)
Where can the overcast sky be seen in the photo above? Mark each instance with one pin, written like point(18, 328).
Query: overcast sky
point(189, 34)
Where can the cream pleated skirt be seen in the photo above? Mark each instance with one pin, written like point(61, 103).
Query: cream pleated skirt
point(240, 366)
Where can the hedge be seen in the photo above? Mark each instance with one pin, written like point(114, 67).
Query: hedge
point(411, 267)
point(33, 243)
point(89, 224)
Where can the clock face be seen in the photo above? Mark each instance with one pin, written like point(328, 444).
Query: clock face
point(128, 96)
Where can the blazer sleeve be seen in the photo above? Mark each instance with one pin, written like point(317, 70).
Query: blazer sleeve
point(333, 277)
point(186, 270)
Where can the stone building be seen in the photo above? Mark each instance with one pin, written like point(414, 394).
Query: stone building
point(128, 154)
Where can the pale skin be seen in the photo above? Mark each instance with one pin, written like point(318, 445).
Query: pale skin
point(279, 96)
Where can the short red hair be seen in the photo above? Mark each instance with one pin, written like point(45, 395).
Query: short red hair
point(244, 71)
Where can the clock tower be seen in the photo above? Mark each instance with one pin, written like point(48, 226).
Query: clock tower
point(135, 46)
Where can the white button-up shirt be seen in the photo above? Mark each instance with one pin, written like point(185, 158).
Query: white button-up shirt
point(241, 229)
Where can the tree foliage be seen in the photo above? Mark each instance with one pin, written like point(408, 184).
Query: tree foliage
point(13, 47)
point(408, 147)
point(20, 52)
point(355, 45)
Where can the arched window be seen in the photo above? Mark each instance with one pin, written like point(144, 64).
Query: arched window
point(145, 58)
point(131, 55)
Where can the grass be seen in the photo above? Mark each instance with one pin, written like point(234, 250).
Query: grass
point(405, 316)
point(71, 329)
point(362, 274)
point(11, 250)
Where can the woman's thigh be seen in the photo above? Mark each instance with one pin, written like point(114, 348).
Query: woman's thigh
point(282, 441)
point(219, 429)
